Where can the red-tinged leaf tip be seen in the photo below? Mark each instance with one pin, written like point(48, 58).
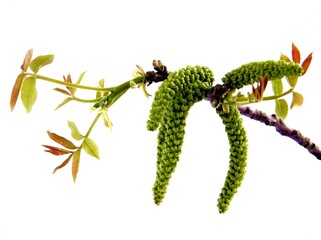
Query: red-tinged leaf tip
point(306, 63)
point(63, 91)
point(16, 90)
point(61, 140)
point(55, 150)
point(64, 163)
point(26, 60)
point(75, 164)
point(295, 54)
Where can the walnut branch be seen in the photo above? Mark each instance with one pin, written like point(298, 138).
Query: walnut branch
point(281, 128)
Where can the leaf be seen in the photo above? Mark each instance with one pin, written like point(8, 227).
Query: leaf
point(306, 63)
point(74, 131)
point(281, 108)
point(55, 150)
point(72, 89)
point(285, 58)
point(66, 100)
point(75, 164)
point(295, 54)
point(106, 119)
point(61, 140)
point(29, 93)
point(63, 91)
point(16, 90)
point(297, 100)
point(26, 60)
point(292, 80)
point(64, 163)
point(100, 84)
point(277, 86)
point(91, 147)
point(40, 61)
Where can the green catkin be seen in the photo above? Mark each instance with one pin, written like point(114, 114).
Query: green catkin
point(238, 155)
point(168, 113)
point(246, 73)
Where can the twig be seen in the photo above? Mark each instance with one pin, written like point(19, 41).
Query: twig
point(281, 128)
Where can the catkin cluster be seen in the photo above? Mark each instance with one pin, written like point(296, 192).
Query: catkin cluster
point(168, 113)
point(246, 73)
point(238, 155)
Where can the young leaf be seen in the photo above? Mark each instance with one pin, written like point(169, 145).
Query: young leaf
point(16, 90)
point(55, 150)
point(72, 89)
point(66, 100)
point(297, 100)
point(40, 61)
point(63, 91)
point(29, 93)
point(61, 140)
point(292, 80)
point(75, 164)
point(106, 119)
point(74, 131)
point(306, 63)
point(285, 58)
point(277, 86)
point(91, 147)
point(281, 108)
point(100, 84)
point(64, 163)
point(295, 54)
point(26, 61)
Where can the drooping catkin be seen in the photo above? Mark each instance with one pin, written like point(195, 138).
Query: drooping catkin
point(168, 113)
point(246, 73)
point(238, 155)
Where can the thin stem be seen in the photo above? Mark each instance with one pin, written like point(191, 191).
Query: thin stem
point(87, 100)
point(245, 100)
point(93, 124)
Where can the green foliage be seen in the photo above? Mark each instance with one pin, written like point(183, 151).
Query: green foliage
point(238, 155)
point(281, 108)
point(246, 73)
point(28, 93)
point(173, 99)
point(90, 147)
point(40, 61)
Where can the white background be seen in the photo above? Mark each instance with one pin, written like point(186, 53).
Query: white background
point(112, 198)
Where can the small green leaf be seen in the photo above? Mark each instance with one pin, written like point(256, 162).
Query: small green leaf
point(281, 108)
point(16, 90)
point(75, 164)
point(100, 84)
point(72, 89)
point(65, 101)
point(74, 131)
point(284, 58)
point(29, 93)
point(292, 80)
point(277, 86)
point(40, 61)
point(297, 100)
point(91, 147)
point(106, 119)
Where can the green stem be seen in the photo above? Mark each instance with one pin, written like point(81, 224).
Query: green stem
point(92, 125)
point(87, 100)
point(245, 100)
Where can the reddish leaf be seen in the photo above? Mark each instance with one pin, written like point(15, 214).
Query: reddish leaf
point(63, 91)
point(75, 164)
point(306, 63)
point(55, 150)
point(68, 79)
point(61, 140)
point(295, 54)
point(16, 90)
point(26, 60)
point(64, 163)
point(263, 84)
